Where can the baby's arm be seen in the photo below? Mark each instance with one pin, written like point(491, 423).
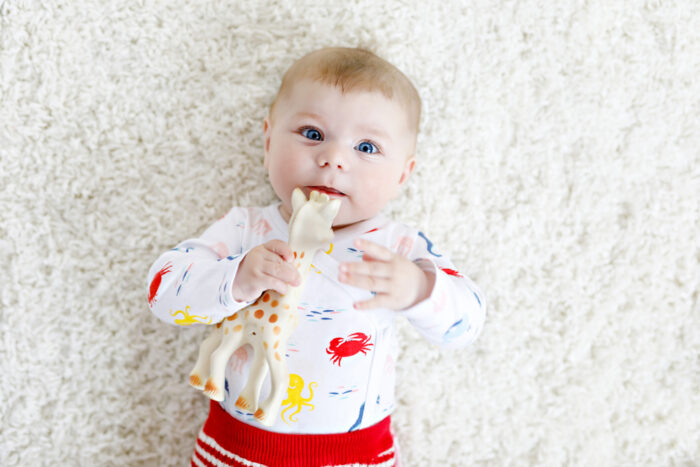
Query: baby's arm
point(443, 305)
point(206, 279)
point(453, 314)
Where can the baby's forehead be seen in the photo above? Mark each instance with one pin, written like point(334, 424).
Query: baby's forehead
point(305, 90)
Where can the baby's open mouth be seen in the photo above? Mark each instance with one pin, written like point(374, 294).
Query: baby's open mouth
point(327, 190)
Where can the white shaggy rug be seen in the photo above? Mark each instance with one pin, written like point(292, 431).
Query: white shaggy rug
point(559, 167)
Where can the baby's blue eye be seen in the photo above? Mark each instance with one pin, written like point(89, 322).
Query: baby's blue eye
point(311, 134)
point(367, 147)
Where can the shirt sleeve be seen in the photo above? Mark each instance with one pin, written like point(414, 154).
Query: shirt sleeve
point(453, 315)
point(191, 284)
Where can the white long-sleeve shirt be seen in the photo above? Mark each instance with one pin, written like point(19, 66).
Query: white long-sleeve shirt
point(341, 360)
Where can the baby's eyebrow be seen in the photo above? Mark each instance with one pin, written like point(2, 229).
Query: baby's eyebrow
point(308, 115)
point(375, 132)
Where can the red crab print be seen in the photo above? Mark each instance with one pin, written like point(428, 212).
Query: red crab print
point(354, 344)
point(451, 272)
point(155, 283)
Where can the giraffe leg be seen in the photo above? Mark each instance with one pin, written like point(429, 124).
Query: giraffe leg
point(214, 387)
point(248, 399)
point(279, 375)
point(200, 372)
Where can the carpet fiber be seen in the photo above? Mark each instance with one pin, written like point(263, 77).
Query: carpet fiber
point(558, 167)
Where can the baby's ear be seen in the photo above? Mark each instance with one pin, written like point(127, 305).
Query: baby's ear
point(408, 168)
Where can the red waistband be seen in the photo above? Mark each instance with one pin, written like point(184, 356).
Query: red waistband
point(233, 442)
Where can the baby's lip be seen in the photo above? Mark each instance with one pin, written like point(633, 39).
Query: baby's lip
point(327, 190)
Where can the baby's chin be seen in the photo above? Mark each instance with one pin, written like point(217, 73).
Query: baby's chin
point(347, 219)
point(343, 220)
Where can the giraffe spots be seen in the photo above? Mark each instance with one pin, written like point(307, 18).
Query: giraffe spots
point(218, 325)
point(247, 313)
point(277, 344)
point(302, 255)
point(274, 303)
point(259, 313)
point(195, 381)
point(242, 403)
point(298, 265)
point(295, 255)
point(225, 330)
point(210, 387)
point(265, 345)
point(266, 297)
point(277, 356)
point(259, 414)
point(277, 330)
point(286, 307)
point(233, 318)
point(273, 318)
point(238, 328)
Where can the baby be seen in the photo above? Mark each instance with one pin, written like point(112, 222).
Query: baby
point(344, 123)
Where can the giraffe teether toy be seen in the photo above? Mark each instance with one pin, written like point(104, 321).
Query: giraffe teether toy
point(267, 323)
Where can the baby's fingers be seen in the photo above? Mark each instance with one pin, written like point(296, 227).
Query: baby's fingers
point(374, 251)
point(372, 282)
point(281, 249)
point(285, 272)
point(273, 283)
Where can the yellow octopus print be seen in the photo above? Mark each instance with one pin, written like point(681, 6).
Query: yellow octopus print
point(188, 319)
point(294, 399)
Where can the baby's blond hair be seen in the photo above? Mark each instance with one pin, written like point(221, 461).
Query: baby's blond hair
point(354, 69)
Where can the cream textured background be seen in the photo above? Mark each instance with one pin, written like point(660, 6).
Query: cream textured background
point(559, 168)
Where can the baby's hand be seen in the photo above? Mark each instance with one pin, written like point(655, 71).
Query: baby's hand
point(397, 282)
point(267, 266)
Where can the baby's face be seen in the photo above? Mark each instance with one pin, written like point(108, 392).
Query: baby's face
point(355, 146)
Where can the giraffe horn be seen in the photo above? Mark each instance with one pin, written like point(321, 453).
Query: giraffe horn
point(298, 199)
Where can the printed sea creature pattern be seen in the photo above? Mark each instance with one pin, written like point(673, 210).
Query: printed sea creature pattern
point(341, 350)
point(155, 283)
point(295, 399)
point(188, 319)
point(457, 329)
point(355, 343)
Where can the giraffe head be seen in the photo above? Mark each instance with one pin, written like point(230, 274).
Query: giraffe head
point(310, 226)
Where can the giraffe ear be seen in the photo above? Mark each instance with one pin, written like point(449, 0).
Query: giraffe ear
point(298, 199)
point(330, 210)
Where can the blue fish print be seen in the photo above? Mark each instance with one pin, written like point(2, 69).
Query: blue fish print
point(456, 330)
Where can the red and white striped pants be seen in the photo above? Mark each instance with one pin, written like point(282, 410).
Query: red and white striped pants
point(226, 441)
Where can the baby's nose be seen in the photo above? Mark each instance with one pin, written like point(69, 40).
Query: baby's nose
point(333, 157)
